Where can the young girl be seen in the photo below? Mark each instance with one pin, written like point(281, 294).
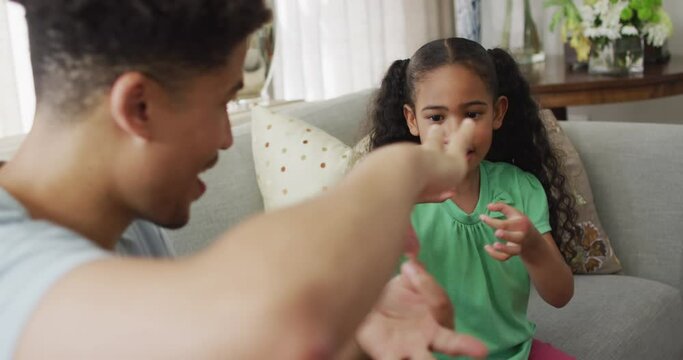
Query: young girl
point(499, 233)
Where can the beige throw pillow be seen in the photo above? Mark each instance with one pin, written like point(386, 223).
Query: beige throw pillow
point(293, 159)
point(592, 253)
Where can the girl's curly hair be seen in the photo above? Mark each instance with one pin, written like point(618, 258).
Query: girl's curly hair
point(522, 139)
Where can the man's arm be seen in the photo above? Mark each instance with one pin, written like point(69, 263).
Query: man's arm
point(292, 283)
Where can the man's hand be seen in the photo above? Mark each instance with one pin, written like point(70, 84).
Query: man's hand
point(404, 322)
point(444, 163)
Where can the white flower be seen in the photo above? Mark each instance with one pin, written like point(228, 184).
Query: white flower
point(656, 34)
point(629, 30)
point(608, 14)
point(587, 15)
point(601, 7)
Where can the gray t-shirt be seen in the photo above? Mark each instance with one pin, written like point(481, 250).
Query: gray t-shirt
point(34, 254)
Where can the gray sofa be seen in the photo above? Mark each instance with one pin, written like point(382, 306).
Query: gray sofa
point(636, 171)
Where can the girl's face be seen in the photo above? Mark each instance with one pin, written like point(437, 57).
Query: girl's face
point(449, 94)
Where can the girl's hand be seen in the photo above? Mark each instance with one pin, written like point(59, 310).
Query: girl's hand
point(516, 230)
point(444, 161)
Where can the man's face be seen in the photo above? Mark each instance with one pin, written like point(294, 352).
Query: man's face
point(194, 127)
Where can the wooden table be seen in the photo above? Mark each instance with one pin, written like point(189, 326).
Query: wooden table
point(556, 86)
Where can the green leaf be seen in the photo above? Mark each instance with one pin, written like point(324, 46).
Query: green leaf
point(556, 19)
point(626, 14)
point(656, 18)
point(644, 14)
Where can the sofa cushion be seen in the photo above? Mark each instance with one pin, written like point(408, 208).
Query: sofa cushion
point(635, 174)
point(614, 317)
point(294, 160)
point(592, 253)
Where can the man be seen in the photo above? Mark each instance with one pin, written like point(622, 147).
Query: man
point(131, 109)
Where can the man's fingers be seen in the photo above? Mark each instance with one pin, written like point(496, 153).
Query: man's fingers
point(412, 244)
point(450, 343)
point(422, 355)
point(461, 140)
point(434, 139)
point(439, 198)
point(422, 281)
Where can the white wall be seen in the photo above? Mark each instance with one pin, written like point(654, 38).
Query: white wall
point(668, 110)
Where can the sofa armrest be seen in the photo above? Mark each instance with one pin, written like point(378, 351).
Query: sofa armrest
point(636, 174)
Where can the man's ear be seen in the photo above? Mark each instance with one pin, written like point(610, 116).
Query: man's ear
point(500, 109)
point(411, 120)
point(129, 104)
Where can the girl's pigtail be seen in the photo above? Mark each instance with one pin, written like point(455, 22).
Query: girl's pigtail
point(523, 141)
point(387, 118)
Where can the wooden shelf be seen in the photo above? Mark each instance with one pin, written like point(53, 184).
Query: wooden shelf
point(556, 86)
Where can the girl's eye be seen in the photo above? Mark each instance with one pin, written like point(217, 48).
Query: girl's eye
point(472, 115)
point(436, 117)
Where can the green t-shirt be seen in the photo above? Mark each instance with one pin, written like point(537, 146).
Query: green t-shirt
point(490, 296)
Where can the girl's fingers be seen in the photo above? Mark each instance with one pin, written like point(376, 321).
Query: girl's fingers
point(506, 209)
point(500, 256)
point(511, 236)
point(495, 223)
point(511, 249)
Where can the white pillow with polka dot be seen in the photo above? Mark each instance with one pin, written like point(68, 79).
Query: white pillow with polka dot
point(293, 159)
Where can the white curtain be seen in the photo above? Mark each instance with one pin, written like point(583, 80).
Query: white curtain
point(10, 115)
point(327, 48)
point(17, 96)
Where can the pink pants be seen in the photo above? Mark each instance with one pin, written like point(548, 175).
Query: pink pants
point(544, 351)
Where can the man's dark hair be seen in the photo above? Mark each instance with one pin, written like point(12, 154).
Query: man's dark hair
point(81, 46)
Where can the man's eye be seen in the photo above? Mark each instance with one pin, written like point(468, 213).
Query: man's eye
point(436, 117)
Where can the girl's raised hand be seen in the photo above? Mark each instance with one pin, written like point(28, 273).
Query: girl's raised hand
point(516, 230)
point(445, 161)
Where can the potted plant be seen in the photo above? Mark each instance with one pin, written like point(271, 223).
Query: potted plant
point(614, 31)
point(568, 17)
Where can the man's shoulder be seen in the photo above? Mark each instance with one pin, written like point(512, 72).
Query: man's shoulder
point(23, 236)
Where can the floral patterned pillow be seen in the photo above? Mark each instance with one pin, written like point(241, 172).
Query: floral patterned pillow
point(592, 253)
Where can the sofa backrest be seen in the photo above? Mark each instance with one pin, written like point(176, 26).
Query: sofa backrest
point(636, 174)
point(232, 192)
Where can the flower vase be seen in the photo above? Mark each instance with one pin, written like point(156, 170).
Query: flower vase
point(621, 56)
point(520, 36)
point(657, 54)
